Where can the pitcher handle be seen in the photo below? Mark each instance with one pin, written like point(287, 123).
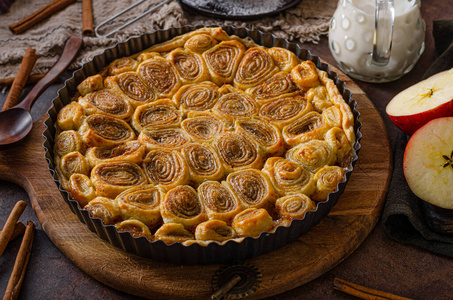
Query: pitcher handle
point(383, 31)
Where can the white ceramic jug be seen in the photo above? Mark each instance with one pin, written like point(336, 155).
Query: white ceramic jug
point(377, 40)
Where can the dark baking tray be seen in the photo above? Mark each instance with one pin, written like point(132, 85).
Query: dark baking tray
point(178, 253)
point(220, 9)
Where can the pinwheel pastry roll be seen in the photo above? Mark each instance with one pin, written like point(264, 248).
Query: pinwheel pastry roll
point(284, 111)
point(71, 116)
point(327, 180)
point(190, 66)
point(332, 117)
point(223, 59)
point(256, 66)
point(144, 56)
point(284, 59)
point(105, 209)
point(252, 222)
point(265, 134)
point(121, 65)
point(214, 230)
point(72, 163)
point(289, 177)
point(141, 203)
point(166, 167)
point(235, 105)
point(253, 188)
point(294, 206)
point(131, 86)
point(278, 86)
point(338, 140)
point(173, 233)
point(182, 205)
point(237, 153)
point(305, 75)
point(103, 130)
point(69, 141)
point(203, 126)
point(111, 179)
point(132, 151)
point(319, 98)
point(308, 127)
point(199, 43)
point(107, 102)
point(161, 75)
point(81, 189)
point(219, 202)
point(203, 162)
point(161, 113)
point(135, 227)
point(90, 84)
point(171, 138)
point(313, 154)
point(197, 97)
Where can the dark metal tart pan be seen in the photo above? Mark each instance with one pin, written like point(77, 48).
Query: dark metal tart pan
point(178, 253)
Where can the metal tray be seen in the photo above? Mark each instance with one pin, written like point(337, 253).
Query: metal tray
point(178, 253)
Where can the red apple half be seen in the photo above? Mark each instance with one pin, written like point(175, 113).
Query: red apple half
point(428, 162)
point(417, 105)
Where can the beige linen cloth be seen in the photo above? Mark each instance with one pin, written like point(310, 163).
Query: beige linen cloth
point(304, 23)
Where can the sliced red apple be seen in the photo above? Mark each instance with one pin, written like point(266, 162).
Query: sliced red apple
point(428, 162)
point(417, 105)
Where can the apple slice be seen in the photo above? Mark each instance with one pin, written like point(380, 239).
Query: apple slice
point(417, 105)
point(428, 162)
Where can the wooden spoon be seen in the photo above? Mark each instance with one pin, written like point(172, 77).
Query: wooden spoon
point(16, 122)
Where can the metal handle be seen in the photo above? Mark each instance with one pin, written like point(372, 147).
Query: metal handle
point(383, 32)
point(96, 30)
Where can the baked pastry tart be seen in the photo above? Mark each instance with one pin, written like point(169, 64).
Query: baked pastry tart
point(204, 138)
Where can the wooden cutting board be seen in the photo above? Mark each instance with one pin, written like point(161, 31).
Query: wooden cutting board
point(315, 253)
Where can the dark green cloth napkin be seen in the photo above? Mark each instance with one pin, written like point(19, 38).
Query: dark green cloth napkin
point(403, 216)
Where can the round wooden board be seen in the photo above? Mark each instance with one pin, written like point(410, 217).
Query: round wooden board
point(315, 253)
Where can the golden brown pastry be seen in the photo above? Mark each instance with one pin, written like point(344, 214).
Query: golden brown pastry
point(110, 179)
point(308, 127)
point(284, 59)
point(71, 116)
point(68, 141)
point(253, 188)
point(289, 177)
point(107, 102)
point(158, 114)
point(141, 203)
point(72, 163)
point(200, 43)
point(278, 86)
point(305, 75)
point(214, 230)
point(203, 126)
point(103, 130)
point(121, 65)
point(235, 104)
point(327, 179)
point(265, 134)
point(252, 222)
point(319, 98)
point(166, 167)
point(135, 228)
point(160, 74)
point(132, 87)
point(182, 205)
point(203, 162)
point(219, 202)
point(197, 97)
point(284, 111)
point(81, 189)
point(190, 66)
point(237, 153)
point(338, 139)
point(313, 154)
point(170, 138)
point(294, 206)
point(105, 209)
point(90, 84)
point(132, 151)
point(173, 233)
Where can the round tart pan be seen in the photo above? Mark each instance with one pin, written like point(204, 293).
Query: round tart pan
point(178, 253)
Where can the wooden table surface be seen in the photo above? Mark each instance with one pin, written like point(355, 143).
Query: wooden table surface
point(379, 262)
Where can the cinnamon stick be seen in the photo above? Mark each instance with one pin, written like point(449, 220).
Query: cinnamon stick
point(87, 18)
point(8, 229)
point(32, 79)
point(20, 265)
point(19, 230)
point(27, 64)
point(39, 15)
point(363, 292)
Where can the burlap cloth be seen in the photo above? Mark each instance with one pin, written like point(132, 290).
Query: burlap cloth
point(304, 23)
